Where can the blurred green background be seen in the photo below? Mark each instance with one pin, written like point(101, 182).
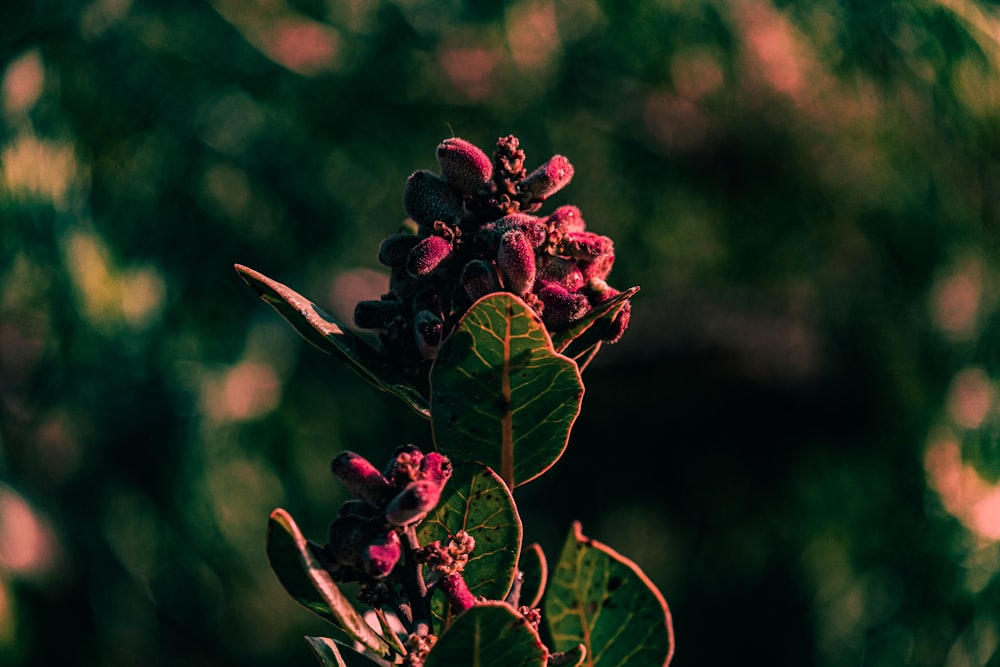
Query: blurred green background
point(798, 438)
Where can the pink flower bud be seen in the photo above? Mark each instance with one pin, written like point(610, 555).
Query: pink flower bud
point(428, 254)
point(562, 307)
point(559, 270)
point(532, 227)
point(547, 180)
point(595, 253)
point(599, 291)
point(600, 268)
point(413, 503)
point(361, 478)
point(586, 245)
point(381, 555)
point(464, 165)
point(457, 592)
point(435, 467)
point(619, 324)
point(566, 219)
point(516, 260)
point(428, 198)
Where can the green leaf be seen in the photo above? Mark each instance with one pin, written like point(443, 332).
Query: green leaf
point(599, 598)
point(500, 394)
point(477, 501)
point(328, 335)
point(309, 583)
point(582, 340)
point(332, 653)
point(490, 634)
point(535, 570)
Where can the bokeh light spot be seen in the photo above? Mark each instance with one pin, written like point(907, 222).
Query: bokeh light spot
point(970, 397)
point(956, 299)
point(23, 82)
point(27, 543)
point(963, 492)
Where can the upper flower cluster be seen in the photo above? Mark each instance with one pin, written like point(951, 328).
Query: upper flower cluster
point(471, 232)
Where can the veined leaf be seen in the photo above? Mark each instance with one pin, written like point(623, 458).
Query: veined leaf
point(309, 583)
point(323, 331)
point(477, 501)
point(500, 394)
point(601, 599)
point(490, 634)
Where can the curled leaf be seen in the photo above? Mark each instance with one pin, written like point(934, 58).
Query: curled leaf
point(328, 335)
point(309, 583)
point(332, 653)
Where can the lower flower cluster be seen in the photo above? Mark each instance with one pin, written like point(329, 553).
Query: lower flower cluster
point(363, 542)
point(471, 232)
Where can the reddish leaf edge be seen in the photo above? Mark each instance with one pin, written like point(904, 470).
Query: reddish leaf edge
point(578, 535)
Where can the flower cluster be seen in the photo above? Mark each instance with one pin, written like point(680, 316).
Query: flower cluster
point(363, 542)
point(446, 563)
point(471, 232)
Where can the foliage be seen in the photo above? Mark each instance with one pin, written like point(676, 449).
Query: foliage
point(804, 191)
point(501, 402)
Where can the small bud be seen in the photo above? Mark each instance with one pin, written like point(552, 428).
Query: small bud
point(346, 539)
point(559, 270)
point(600, 268)
point(619, 324)
point(358, 508)
point(361, 478)
point(547, 180)
point(532, 227)
point(464, 165)
point(516, 259)
point(599, 291)
point(457, 592)
point(403, 285)
point(595, 253)
point(428, 255)
point(428, 198)
point(566, 219)
point(381, 555)
point(435, 467)
point(404, 466)
point(562, 307)
point(413, 503)
point(586, 245)
point(480, 278)
point(428, 328)
point(395, 248)
point(375, 314)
